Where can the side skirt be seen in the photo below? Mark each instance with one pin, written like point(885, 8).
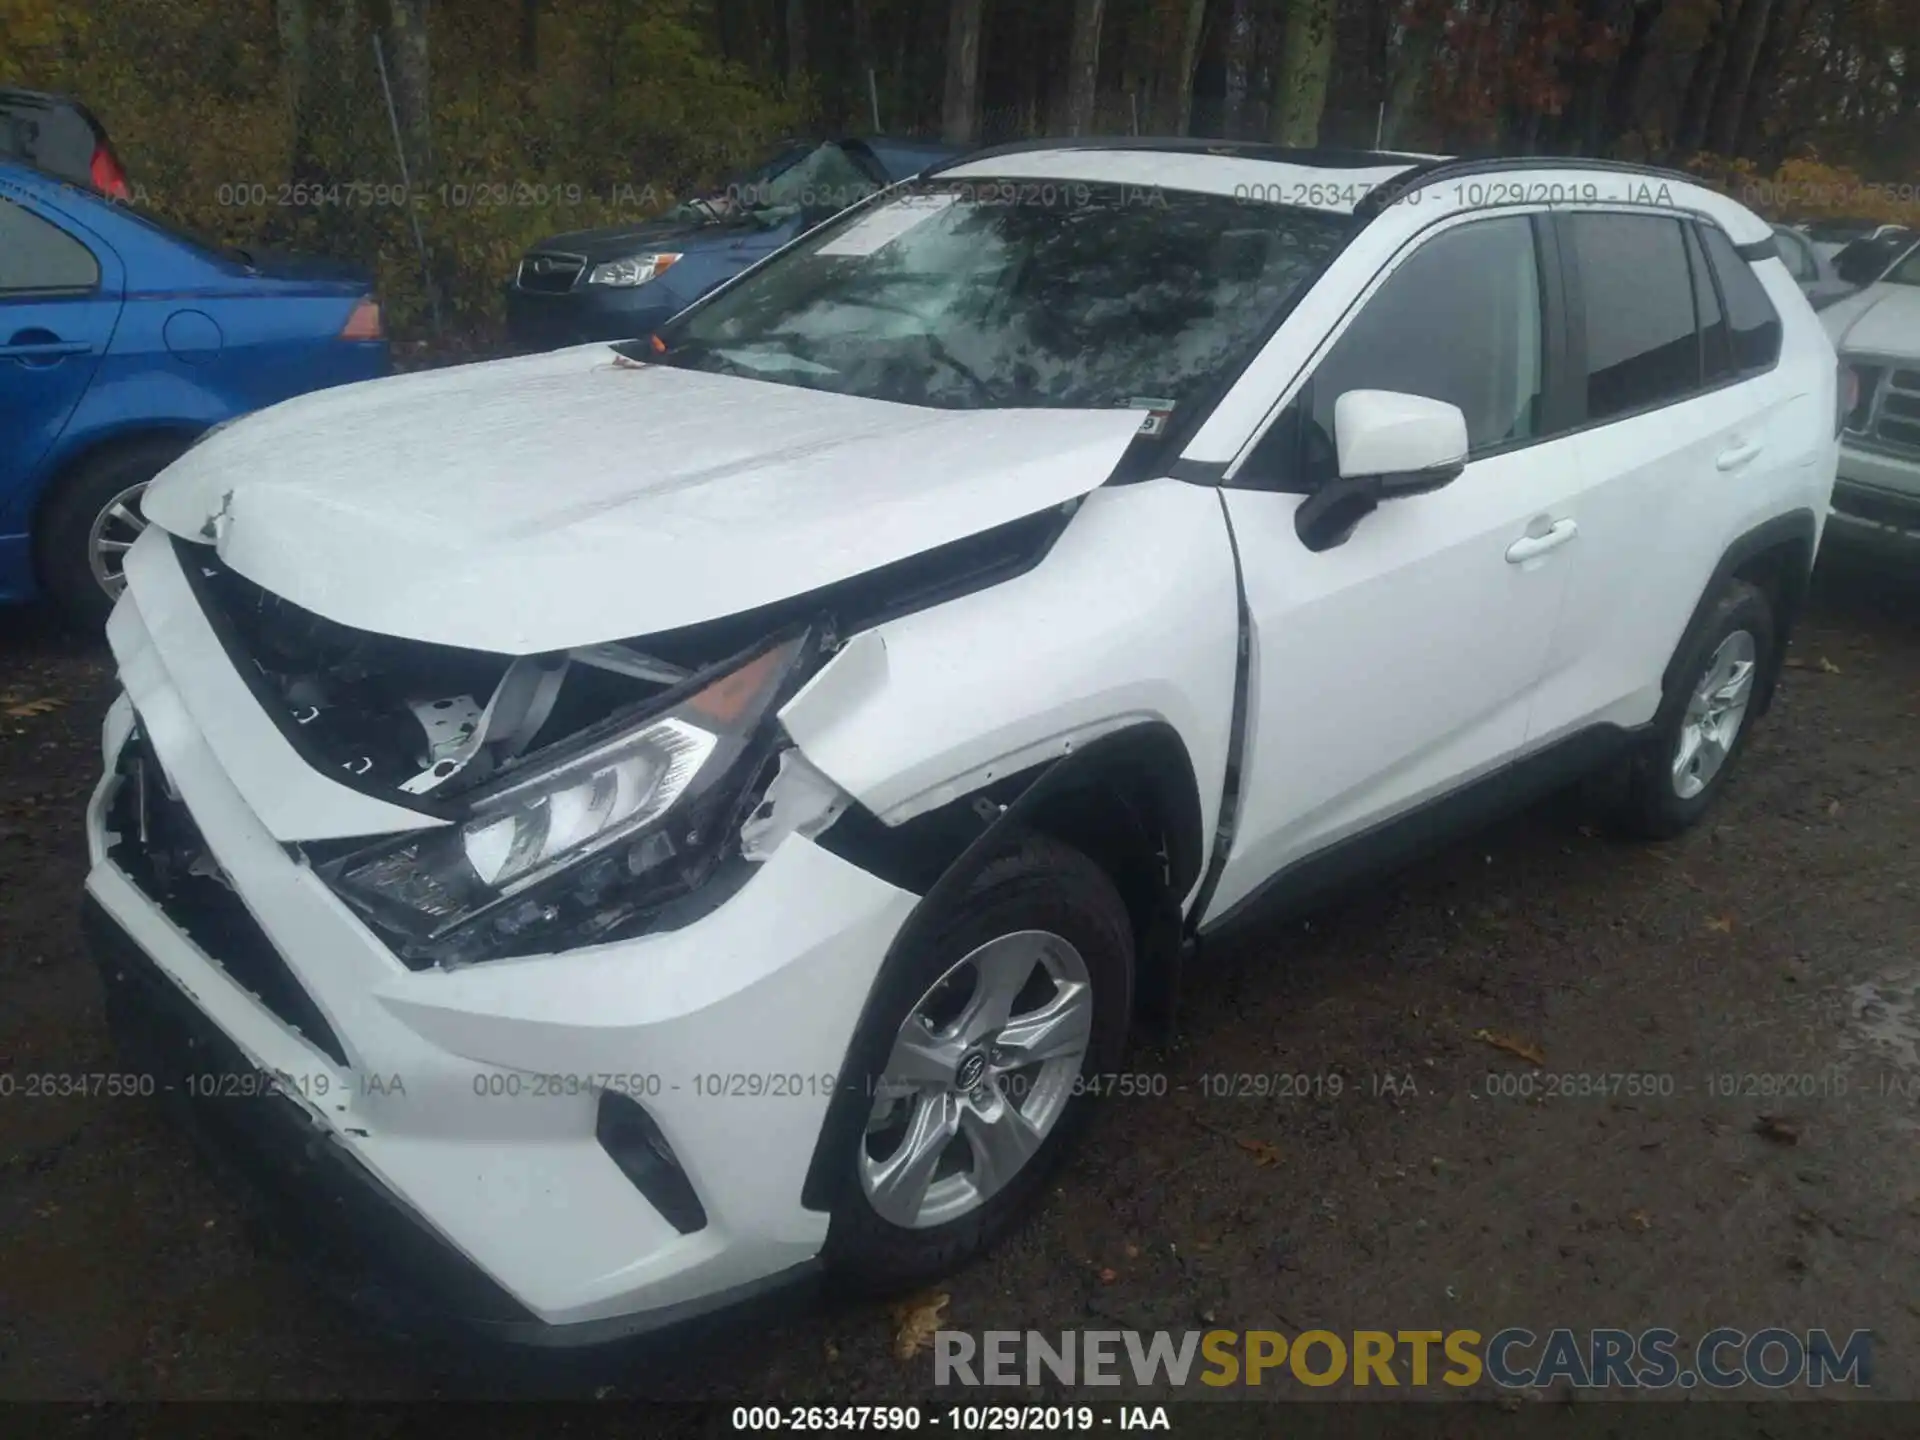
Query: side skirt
point(1427, 827)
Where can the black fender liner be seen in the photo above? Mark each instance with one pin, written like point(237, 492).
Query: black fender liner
point(1783, 534)
point(943, 852)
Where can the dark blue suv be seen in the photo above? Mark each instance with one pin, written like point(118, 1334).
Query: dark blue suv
point(122, 340)
point(626, 281)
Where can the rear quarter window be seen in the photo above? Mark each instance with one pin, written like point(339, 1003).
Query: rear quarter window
point(1642, 346)
point(1752, 322)
point(37, 257)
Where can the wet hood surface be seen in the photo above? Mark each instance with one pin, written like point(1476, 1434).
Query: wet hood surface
point(1881, 320)
point(535, 504)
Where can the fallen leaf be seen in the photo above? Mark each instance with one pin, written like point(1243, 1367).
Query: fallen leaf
point(1530, 1053)
point(1133, 1252)
point(1827, 667)
point(1108, 1275)
point(1833, 807)
point(1721, 924)
point(44, 705)
point(833, 1352)
point(917, 1320)
point(1263, 1153)
point(1638, 1219)
point(1777, 1129)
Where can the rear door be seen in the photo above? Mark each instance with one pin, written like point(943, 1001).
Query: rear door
point(60, 296)
point(1681, 450)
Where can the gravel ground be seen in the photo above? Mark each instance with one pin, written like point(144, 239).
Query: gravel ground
point(1778, 938)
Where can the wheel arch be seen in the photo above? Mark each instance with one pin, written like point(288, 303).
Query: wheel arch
point(1777, 557)
point(62, 467)
point(1129, 800)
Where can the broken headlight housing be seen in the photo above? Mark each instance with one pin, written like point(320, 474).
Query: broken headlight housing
point(570, 846)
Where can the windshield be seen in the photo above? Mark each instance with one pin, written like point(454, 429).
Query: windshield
point(988, 295)
point(825, 178)
point(1907, 271)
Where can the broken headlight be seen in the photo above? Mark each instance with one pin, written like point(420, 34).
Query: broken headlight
point(564, 849)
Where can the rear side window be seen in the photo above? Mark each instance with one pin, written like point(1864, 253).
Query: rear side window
point(1798, 259)
point(1751, 319)
point(36, 256)
point(1641, 346)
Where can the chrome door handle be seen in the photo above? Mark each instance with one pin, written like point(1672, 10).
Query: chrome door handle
point(1528, 546)
point(1734, 458)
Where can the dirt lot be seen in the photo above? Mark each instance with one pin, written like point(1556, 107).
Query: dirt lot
point(1781, 938)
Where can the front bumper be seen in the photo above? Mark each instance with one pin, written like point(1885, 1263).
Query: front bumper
point(463, 1109)
point(1876, 504)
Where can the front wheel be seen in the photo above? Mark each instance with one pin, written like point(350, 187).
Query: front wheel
point(990, 1034)
point(1703, 723)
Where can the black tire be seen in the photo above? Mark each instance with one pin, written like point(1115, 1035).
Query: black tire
point(1040, 884)
point(1638, 798)
point(66, 521)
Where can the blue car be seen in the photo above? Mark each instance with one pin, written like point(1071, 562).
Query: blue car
point(626, 281)
point(122, 340)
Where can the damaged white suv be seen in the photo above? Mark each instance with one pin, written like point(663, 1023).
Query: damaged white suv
point(610, 833)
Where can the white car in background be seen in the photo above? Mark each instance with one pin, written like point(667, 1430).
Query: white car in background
point(607, 835)
point(1876, 500)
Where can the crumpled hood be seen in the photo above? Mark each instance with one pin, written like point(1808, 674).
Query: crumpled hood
point(557, 500)
point(1881, 320)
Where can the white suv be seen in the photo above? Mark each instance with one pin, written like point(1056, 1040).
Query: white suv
point(610, 833)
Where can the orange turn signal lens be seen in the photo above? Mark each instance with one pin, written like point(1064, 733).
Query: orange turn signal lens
point(364, 323)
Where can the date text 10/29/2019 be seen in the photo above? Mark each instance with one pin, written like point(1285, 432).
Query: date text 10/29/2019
point(956, 1419)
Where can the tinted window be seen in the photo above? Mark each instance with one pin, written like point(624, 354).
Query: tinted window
point(1754, 323)
point(1458, 321)
point(36, 256)
point(1641, 349)
point(1799, 259)
point(1716, 352)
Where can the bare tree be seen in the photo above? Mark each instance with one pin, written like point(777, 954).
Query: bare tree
point(1180, 118)
point(1300, 80)
point(1623, 89)
point(1730, 98)
point(796, 45)
point(1240, 41)
point(530, 36)
point(960, 115)
point(1690, 129)
point(409, 63)
point(1413, 56)
point(1083, 67)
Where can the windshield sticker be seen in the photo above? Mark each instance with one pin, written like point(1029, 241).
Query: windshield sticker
point(1159, 411)
point(887, 224)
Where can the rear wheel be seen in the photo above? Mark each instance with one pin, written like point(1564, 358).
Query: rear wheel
point(1671, 779)
point(990, 1035)
point(91, 522)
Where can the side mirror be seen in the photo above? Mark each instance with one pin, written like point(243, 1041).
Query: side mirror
point(1389, 446)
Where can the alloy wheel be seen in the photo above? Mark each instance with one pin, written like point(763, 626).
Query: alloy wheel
point(1716, 710)
point(112, 534)
point(981, 1070)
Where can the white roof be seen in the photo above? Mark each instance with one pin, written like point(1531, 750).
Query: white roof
point(1319, 187)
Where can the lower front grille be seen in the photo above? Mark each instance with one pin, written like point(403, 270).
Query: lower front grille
point(1896, 419)
point(550, 274)
point(163, 852)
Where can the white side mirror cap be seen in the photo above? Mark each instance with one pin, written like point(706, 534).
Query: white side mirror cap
point(1383, 432)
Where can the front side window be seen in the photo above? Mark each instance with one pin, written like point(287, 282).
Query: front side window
point(1458, 321)
point(1799, 259)
point(979, 294)
point(39, 258)
point(1641, 346)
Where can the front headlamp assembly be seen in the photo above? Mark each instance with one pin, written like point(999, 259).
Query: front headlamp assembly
point(569, 847)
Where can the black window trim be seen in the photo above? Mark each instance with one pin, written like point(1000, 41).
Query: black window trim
point(1700, 226)
point(10, 294)
point(1576, 311)
point(1556, 350)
